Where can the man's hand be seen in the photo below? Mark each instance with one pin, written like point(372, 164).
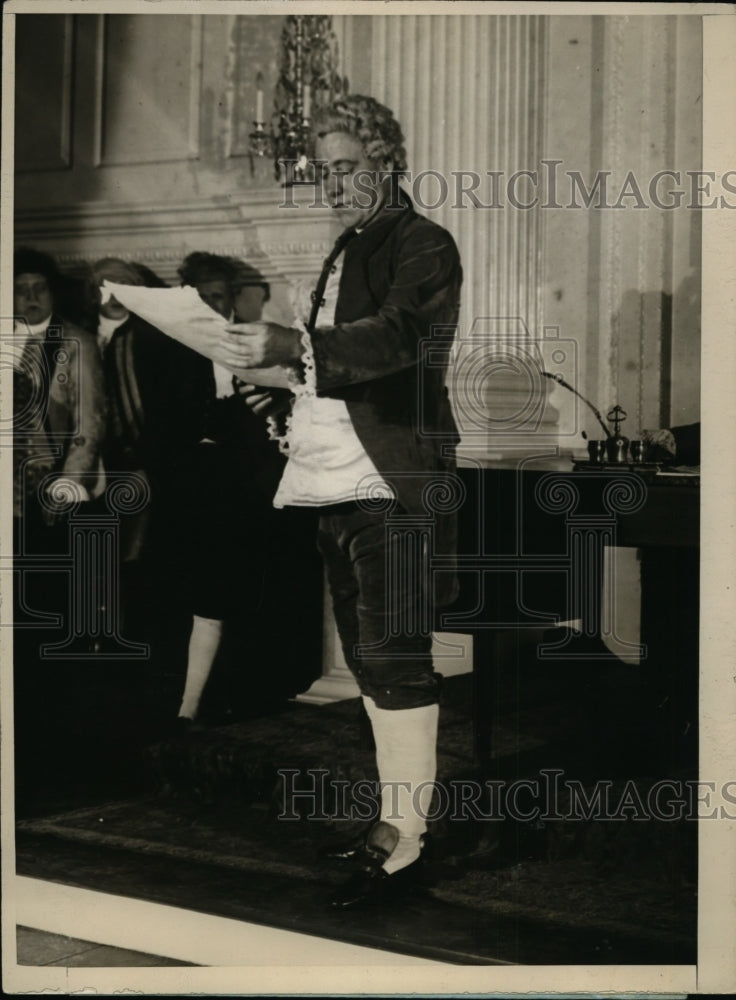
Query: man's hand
point(260, 345)
point(258, 400)
point(264, 402)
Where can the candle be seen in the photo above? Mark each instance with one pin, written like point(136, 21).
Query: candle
point(259, 98)
point(306, 101)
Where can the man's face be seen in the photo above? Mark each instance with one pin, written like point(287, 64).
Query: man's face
point(354, 188)
point(249, 303)
point(217, 295)
point(32, 300)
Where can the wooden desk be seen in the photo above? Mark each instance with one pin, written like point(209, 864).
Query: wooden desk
point(531, 544)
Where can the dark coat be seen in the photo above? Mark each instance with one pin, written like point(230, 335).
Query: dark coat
point(387, 357)
point(193, 413)
point(139, 362)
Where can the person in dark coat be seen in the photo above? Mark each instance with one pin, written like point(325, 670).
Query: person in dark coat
point(147, 420)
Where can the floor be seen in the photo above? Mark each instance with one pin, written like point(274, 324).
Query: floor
point(42, 948)
point(72, 940)
point(69, 927)
point(51, 961)
point(231, 915)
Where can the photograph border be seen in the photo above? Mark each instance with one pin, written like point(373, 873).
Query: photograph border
point(716, 967)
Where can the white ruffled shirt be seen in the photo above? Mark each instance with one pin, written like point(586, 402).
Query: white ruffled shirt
point(326, 461)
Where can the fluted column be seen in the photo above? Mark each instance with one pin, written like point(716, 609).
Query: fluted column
point(468, 91)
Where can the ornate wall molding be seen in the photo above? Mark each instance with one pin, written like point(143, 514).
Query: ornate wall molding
point(286, 245)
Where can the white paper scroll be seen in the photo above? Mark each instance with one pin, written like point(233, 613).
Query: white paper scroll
point(181, 314)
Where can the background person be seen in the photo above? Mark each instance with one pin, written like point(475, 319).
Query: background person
point(224, 482)
point(59, 420)
point(144, 425)
point(58, 395)
point(251, 292)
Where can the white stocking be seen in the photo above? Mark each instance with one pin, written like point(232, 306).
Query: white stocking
point(406, 758)
point(204, 643)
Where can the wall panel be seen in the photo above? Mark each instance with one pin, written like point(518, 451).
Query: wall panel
point(43, 100)
point(638, 241)
point(148, 88)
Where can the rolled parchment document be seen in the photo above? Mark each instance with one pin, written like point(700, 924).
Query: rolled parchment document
point(181, 314)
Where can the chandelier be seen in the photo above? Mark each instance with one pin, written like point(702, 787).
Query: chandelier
point(308, 80)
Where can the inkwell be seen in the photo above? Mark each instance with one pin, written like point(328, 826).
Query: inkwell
point(615, 448)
